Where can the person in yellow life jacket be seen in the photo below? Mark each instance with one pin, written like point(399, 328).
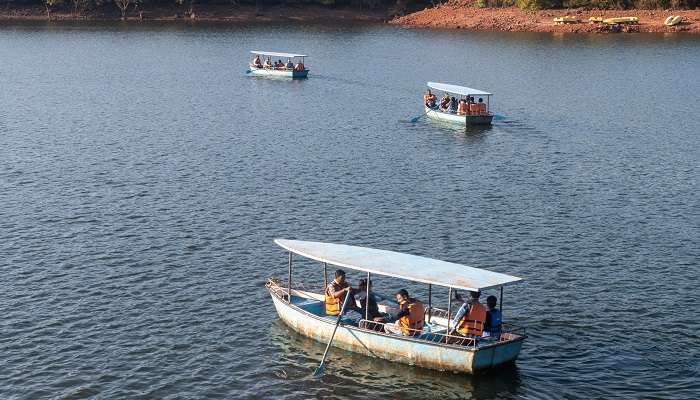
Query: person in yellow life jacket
point(470, 318)
point(410, 317)
point(335, 294)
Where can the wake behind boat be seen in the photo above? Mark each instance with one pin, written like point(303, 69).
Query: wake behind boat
point(466, 108)
point(425, 336)
point(286, 65)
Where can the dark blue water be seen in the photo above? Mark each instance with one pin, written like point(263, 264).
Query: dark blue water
point(143, 178)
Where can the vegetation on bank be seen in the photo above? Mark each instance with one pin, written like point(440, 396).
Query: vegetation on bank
point(187, 8)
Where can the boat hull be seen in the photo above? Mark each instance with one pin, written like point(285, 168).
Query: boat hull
point(279, 73)
point(396, 348)
point(485, 119)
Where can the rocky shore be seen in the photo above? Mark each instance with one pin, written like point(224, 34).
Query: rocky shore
point(456, 15)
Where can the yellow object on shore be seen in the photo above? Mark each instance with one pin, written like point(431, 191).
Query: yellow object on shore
point(595, 19)
point(673, 20)
point(566, 20)
point(621, 20)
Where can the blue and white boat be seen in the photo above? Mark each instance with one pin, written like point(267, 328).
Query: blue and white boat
point(298, 70)
point(304, 311)
point(478, 114)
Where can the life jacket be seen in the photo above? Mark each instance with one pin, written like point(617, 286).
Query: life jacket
point(462, 108)
point(472, 323)
point(481, 107)
point(333, 304)
point(412, 324)
point(495, 321)
point(474, 108)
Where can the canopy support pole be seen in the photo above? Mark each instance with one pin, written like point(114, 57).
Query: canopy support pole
point(325, 277)
point(430, 301)
point(367, 299)
point(500, 304)
point(289, 284)
point(449, 311)
point(488, 108)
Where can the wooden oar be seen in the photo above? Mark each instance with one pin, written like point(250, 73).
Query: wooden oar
point(319, 371)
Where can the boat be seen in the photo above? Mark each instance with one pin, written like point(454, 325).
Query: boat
point(621, 20)
point(303, 310)
point(478, 113)
point(566, 20)
point(673, 20)
point(595, 20)
point(298, 71)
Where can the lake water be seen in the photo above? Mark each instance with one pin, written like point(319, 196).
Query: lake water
point(144, 176)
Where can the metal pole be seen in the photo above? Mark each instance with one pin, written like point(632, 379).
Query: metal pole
point(430, 301)
point(367, 299)
point(449, 311)
point(500, 304)
point(325, 278)
point(289, 288)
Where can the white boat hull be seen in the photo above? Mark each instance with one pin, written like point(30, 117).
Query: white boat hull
point(282, 73)
point(484, 119)
point(398, 348)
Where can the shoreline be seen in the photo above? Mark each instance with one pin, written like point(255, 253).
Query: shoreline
point(513, 19)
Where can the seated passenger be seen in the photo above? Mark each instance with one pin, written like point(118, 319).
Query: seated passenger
point(462, 108)
point(481, 107)
point(335, 294)
point(279, 64)
point(453, 105)
point(369, 308)
point(445, 102)
point(256, 61)
point(290, 64)
point(429, 99)
point(267, 64)
point(299, 66)
point(470, 318)
point(492, 325)
point(410, 317)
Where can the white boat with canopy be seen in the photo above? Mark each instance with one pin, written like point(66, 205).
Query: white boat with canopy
point(474, 110)
point(265, 63)
point(435, 345)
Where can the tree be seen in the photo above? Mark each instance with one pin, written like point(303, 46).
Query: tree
point(123, 5)
point(79, 6)
point(48, 4)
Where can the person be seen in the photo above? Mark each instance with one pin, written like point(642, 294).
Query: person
point(335, 294)
point(368, 306)
point(493, 322)
point(462, 109)
point(445, 102)
point(453, 105)
point(279, 64)
point(470, 318)
point(481, 106)
point(299, 66)
point(256, 61)
point(429, 99)
point(410, 316)
point(267, 64)
point(290, 64)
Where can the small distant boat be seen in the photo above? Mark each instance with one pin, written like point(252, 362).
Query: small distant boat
point(673, 20)
point(595, 20)
point(297, 70)
point(477, 113)
point(566, 20)
point(433, 345)
point(621, 20)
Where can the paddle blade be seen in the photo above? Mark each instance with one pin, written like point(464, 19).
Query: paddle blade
point(319, 371)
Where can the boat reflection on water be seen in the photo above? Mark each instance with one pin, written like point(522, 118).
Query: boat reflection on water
point(348, 371)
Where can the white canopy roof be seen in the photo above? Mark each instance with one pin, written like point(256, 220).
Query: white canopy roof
point(465, 91)
point(399, 265)
point(274, 54)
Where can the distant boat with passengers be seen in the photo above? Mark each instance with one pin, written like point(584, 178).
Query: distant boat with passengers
point(424, 335)
point(459, 104)
point(270, 63)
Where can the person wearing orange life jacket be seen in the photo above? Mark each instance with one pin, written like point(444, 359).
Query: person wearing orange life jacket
point(410, 318)
point(481, 107)
point(335, 294)
point(470, 318)
point(462, 108)
point(429, 99)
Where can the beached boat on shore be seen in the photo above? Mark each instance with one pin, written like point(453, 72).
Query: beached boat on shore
point(434, 347)
point(297, 69)
point(477, 112)
point(673, 20)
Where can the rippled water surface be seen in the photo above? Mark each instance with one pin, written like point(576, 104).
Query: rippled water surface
point(143, 177)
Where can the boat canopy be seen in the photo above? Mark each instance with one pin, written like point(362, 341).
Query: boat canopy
point(465, 91)
point(399, 265)
point(274, 54)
